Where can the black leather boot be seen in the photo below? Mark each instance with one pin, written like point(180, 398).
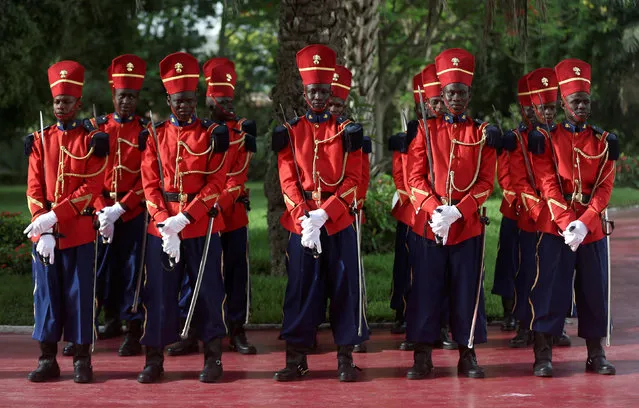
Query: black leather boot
point(112, 325)
point(212, 371)
point(360, 348)
point(597, 362)
point(543, 355)
point(131, 345)
point(509, 323)
point(522, 339)
point(185, 347)
point(69, 349)
point(467, 364)
point(238, 341)
point(82, 369)
point(48, 368)
point(562, 341)
point(445, 342)
point(154, 366)
point(296, 364)
point(399, 325)
point(346, 369)
point(423, 362)
point(407, 345)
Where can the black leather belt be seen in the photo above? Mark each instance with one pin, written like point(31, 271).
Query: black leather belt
point(584, 199)
point(312, 195)
point(179, 197)
point(87, 211)
point(113, 195)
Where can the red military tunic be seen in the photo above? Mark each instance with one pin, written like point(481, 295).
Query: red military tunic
point(403, 210)
point(190, 168)
point(329, 173)
point(585, 172)
point(464, 169)
point(233, 211)
point(509, 204)
point(122, 180)
point(74, 177)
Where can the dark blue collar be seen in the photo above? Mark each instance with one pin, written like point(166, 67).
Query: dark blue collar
point(120, 119)
point(450, 118)
point(522, 127)
point(317, 117)
point(175, 122)
point(546, 127)
point(74, 124)
point(573, 128)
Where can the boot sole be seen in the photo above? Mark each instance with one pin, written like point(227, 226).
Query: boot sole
point(43, 379)
point(150, 380)
point(286, 379)
point(471, 375)
point(612, 371)
point(242, 351)
point(411, 376)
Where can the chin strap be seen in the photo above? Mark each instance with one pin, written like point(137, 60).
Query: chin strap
point(224, 111)
point(451, 111)
point(572, 112)
point(311, 106)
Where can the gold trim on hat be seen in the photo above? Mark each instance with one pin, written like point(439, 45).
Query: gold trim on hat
point(524, 93)
point(455, 69)
point(348, 88)
point(221, 84)
point(66, 80)
point(180, 77)
point(127, 75)
point(431, 84)
point(552, 88)
point(316, 69)
point(573, 79)
point(418, 91)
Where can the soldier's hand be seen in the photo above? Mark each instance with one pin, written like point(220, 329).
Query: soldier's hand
point(46, 246)
point(174, 225)
point(106, 229)
point(41, 224)
point(171, 246)
point(111, 213)
point(315, 220)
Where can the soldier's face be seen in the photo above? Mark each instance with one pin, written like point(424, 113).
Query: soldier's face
point(529, 114)
point(579, 104)
point(66, 106)
point(317, 96)
point(437, 105)
point(182, 104)
point(220, 108)
point(125, 101)
point(336, 106)
point(548, 112)
point(457, 96)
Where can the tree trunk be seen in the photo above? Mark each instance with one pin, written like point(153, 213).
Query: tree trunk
point(302, 22)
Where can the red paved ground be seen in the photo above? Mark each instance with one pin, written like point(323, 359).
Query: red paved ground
point(247, 380)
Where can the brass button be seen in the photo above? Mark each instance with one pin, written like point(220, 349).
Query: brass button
point(454, 125)
point(317, 125)
point(179, 157)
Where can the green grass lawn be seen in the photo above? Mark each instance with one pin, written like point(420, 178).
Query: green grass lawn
point(16, 305)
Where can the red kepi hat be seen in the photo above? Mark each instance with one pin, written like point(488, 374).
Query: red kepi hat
point(430, 83)
point(127, 72)
point(316, 64)
point(66, 78)
point(455, 65)
point(179, 72)
point(341, 85)
point(542, 86)
point(573, 76)
point(522, 91)
point(220, 77)
point(417, 84)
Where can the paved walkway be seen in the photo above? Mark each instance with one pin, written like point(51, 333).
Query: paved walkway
point(247, 379)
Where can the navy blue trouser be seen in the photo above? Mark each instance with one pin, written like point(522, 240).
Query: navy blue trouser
point(525, 277)
point(236, 277)
point(401, 269)
point(311, 281)
point(162, 287)
point(551, 295)
point(439, 269)
point(507, 262)
point(63, 296)
point(119, 263)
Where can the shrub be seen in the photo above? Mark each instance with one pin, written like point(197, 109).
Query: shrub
point(627, 171)
point(15, 248)
point(378, 232)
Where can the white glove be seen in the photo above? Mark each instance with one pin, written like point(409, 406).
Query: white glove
point(445, 215)
point(106, 230)
point(41, 224)
point(441, 230)
point(395, 199)
point(174, 225)
point(171, 246)
point(575, 234)
point(315, 220)
point(312, 240)
point(111, 213)
point(46, 247)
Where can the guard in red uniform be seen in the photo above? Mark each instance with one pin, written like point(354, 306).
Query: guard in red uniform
point(575, 173)
point(121, 209)
point(182, 182)
point(448, 207)
point(320, 169)
point(66, 173)
point(508, 252)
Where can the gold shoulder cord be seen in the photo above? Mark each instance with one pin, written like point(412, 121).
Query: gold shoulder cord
point(604, 154)
point(450, 180)
point(59, 185)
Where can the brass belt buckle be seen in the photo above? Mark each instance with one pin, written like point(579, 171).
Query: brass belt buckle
point(578, 197)
point(316, 196)
point(113, 195)
point(444, 201)
point(182, 197)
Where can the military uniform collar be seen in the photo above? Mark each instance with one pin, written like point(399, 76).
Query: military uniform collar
point(574, 128)
point(547, 127)
point(317, 117)
point(74, 124)
point(450, 118)
point(175, 122)
point(522, 127)
point(120, 119)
